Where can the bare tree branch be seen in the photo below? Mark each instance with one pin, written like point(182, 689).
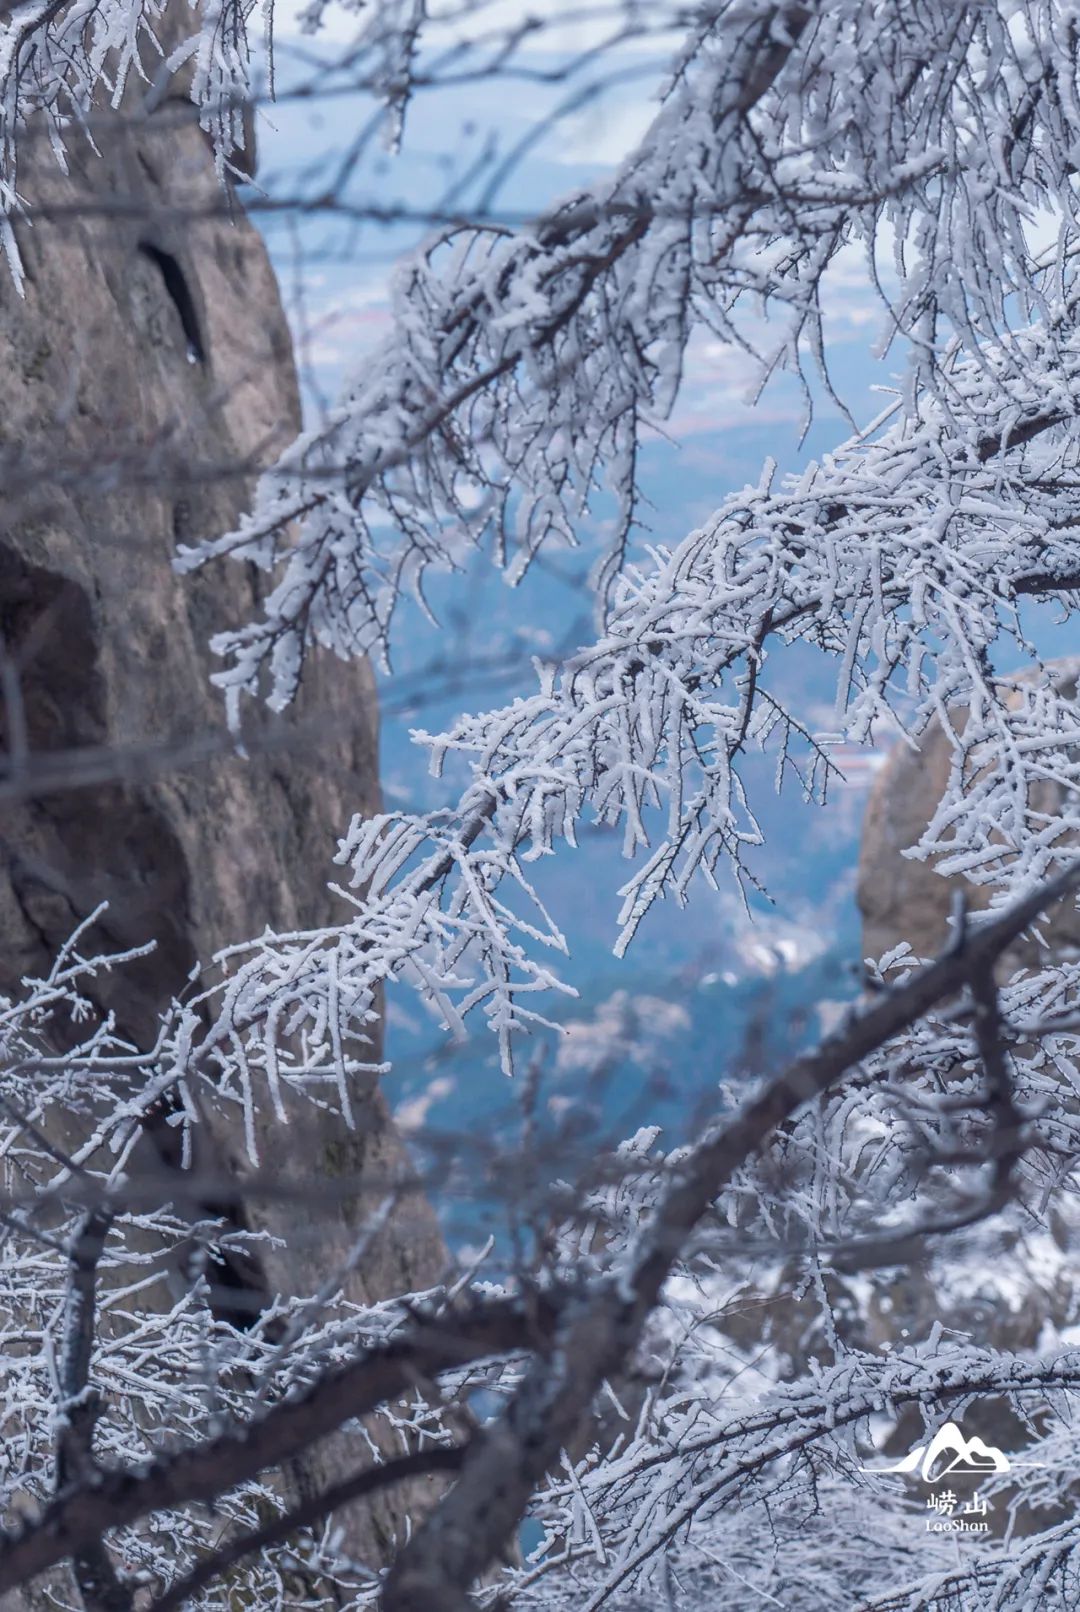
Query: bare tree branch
point(581, 1338)
point(418, 1463)
point(597, 1335)
point(100, 1586)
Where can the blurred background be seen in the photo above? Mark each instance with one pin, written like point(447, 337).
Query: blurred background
point(739, 979)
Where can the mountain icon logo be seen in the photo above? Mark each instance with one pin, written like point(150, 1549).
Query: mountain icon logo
point(948, 1455)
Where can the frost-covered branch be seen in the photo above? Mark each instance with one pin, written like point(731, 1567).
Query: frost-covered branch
point(421, 1463)
point(580, 1330)
point(209, 1470)
point(697, 1461)
point(599, 1335)
point(99, 1585)
point(1045, 1564)
point(525, 363)
point(901, 557)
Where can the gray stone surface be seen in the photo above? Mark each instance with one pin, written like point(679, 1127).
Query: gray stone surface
point(146, 375)
point(903, 899)
point(1004, 1281)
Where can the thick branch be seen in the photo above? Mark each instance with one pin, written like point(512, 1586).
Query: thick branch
point(584, 1338)
point(439, 1458)
point(80, 1518)
point(99, 1585)
point(465, 1533)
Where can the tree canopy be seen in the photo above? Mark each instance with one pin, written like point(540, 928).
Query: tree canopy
point(658, 1449)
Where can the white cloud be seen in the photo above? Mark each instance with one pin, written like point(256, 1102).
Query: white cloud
point(623, 1026)
point(412, 1114)
point(341, 323)
point(604, 133)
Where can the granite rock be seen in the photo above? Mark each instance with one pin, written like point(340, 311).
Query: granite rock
point(147, 376)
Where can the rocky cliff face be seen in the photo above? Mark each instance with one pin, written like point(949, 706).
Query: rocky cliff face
point(902, 899)
point(145, 376)
point(1007, 1279)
